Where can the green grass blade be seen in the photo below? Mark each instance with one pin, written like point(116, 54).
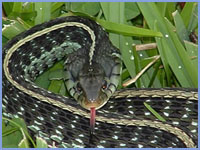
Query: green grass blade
point(41, 143)
point(17, 7)
point(194, 18)
point(180, 27)
point(128, 30)
point(154, 112)
point(8, 6)
point(170, 8)
point(187, 63)
point(192, 50)
point(91, 8)
point(12, 29)
point(131, 10)
point(162, 8)
point(56, 5)
point(176, 54)
point(137, 64)
point(43, 10)
point(187, 12)
point(162, 52)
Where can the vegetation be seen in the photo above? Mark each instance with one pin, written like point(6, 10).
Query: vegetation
point(170, 29)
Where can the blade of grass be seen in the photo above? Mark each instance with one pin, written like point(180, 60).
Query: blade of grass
point(127, 29)
point(55, 86)
point(162, 7)
point(126, 42)
point(9, 131)
point(56, 5)
point(7, 7)
point(21, 125)
point(131, 10)
point(108, 9)
point(141, 72)
point(91, 8)
point(180, 27)
point(123, 43)
point(163, 55)
point(24, 142)
point(157, 115)
point(170, 8)
point(187, 12)
point(157, 65)
point(43, 10)
point(17, 7)
point(191, 70)
point(172, 44)
point(41, 143)
point(11, 30)
point(137, 65)
point(192, 50)
point(194, 18)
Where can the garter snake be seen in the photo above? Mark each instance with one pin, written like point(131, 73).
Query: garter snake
point(122, 122)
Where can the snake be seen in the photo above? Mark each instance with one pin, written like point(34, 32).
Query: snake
point(92, 68)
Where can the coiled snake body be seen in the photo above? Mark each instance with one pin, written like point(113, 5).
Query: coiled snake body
point(122, 122)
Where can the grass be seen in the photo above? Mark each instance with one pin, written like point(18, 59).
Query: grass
point(132, 24)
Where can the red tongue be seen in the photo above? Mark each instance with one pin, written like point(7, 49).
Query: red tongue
point(92, 119)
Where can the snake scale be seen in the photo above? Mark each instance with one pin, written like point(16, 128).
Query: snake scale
point(89, 56)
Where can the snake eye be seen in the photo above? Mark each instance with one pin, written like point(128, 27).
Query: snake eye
point(104, 86)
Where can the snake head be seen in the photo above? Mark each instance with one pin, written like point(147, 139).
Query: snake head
point(93, 85)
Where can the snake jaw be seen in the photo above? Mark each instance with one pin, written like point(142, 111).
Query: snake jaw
point(88, 104)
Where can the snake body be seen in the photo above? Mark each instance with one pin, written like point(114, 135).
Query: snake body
point(122, 122)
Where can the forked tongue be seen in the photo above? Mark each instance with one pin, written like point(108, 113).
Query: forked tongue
point(92, 119)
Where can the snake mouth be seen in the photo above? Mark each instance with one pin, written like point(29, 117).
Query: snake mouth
point(87, 104)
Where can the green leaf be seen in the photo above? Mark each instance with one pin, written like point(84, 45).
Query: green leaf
point(131, 10)
point(137, 64)
point(17, 7)
point(4, 40)
point(155, 74)
point(56, 5)
point(55, 86)
point(3, 127)
point(24, 143)
point(162, 52)
point(43, 10)
point(12, 29)
point(41, 143)
point(128, 30)
point(194, 18)
point(192, 50)
point(8, 6)
point(56, 74)
point(170, 8)
point(176, 54)
point(180, 27)
point(11, 136)
point(8, 131)
point(91, 8)
point(154, 112)
point(162, 8)
point(63, 90)
point(186, 13)
point(191, 70)
point(15, 138)
point(43, 80)
point(118, 17)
